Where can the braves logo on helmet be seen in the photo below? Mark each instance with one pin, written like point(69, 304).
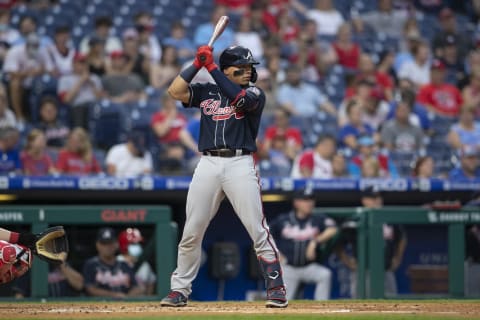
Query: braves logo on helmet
point(237, 56)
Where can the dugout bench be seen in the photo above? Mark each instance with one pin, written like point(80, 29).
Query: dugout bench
point(164, 238)
point(370, 241)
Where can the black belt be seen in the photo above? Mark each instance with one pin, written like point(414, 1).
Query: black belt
point(227, 153)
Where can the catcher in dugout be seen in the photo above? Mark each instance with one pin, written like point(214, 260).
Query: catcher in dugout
point(16, 250)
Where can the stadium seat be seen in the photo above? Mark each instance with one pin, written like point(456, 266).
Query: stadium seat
point(343, 6)
point(44, 85)
point(403, 161)
point(53, 154)
point(107, 124)
point(428, 25)
point(269, 169)
point(100, 156)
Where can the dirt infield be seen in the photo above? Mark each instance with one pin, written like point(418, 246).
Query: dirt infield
point(81, 310)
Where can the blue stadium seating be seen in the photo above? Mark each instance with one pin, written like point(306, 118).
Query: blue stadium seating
point(41, 87)
point(100, 155)
point(441, 125)
point(428, 24)
point(269, 169)
point(343, 6)
point(107, 124)
point(403, 161)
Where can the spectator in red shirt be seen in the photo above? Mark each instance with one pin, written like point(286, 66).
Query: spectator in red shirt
point(35, 161)
point(289, 27)
point(169, 125)
point(282, 128)
point(236, 7)
point(383, 81)
point(348, 52)
point(77, 157)
point(438, 96)
point(170, 128)
point(316, 163)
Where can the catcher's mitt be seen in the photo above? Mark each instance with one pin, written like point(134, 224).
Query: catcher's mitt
point(52, 245)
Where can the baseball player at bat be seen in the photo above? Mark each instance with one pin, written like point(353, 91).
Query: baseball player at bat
point(230, 118)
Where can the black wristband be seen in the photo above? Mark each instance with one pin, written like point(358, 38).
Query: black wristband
point(189, 73)
point(27, 239)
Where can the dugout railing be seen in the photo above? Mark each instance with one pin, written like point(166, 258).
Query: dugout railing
point(164, 237)
point(370, 243)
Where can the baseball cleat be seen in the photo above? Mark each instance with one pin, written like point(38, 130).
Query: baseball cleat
point(276, 298)
point(174, 299)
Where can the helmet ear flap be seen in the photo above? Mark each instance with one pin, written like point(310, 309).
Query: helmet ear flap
point(254, 76)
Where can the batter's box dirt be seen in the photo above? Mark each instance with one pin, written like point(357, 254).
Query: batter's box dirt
point(468, 309)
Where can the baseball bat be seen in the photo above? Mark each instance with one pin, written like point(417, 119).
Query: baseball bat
point(219, 28)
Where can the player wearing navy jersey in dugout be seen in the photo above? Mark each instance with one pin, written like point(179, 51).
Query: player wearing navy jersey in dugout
point(301, 236)
point(104, 274)
point(230, 117)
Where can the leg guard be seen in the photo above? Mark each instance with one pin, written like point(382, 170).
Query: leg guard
point(272, 273)
point(276, 293)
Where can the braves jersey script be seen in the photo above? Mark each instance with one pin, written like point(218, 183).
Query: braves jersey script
point(118, 277)
point(220, 126)
point(292, 235)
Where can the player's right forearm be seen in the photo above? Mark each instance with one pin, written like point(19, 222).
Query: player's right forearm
point(178, 89)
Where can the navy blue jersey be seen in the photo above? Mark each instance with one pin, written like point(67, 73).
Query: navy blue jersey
point(119, 277)
point(220, 126)
point(292, 235)
point(58, 285)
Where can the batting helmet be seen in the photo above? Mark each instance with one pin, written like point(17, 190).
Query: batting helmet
point(128, 236)
point(236, 56)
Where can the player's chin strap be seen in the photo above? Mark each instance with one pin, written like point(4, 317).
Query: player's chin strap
point(272, 273)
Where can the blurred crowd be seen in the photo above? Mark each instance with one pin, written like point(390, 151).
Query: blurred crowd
point(365, 88)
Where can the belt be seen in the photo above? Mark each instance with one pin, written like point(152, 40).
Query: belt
point(227, 153)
